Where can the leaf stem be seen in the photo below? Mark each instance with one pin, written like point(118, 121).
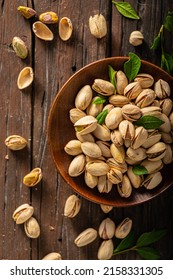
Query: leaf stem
point(124, 251)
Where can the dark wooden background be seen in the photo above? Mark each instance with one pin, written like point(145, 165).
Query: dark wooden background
point(26, 113)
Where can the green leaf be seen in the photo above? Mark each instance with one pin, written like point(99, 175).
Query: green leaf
point(148, 238)
point(99, 100)
point(132, 66)
point(149, 122)
point(101, 117)
point(139, 170)
point(167, 62)
point(157, 42)
point(169, 22)
point(148, 253)
point(126, 243)
point(126, 10)
point(112, 74)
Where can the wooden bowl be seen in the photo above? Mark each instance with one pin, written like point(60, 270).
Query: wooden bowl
point(60, 131)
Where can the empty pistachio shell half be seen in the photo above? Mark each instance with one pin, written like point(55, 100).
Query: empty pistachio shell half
point(65, 28)
point(52, 256)
point(48, 17)
point(123, 228)
point(25, 77)
point(42, 31)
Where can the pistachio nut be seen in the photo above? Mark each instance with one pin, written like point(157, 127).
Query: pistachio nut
point(166, 126)
point(123, 229)
point(153, 137)
point(105, 250)
point(127, 130)
point(103, 87)
point(168, 157)
point(102, 132)
point(32, 228)
point(42, 31)
point(33, 177)
point(166, 106)
point(76, 114)
point(145, 80)
point(135, 180)
point(118, 153)
point(156, 152)
point(83, 97)
point(65, 28)
point(104, 185)
point(119, 166)
point(15, 142)
point(121, 82)
point(105, 148)
point(20, 47)
point(145, 98)
point(94, 109)
point(98, 26)
point(106, 208)
point(108, 107)
point(115, 175)
point(167, 138)
point(152, 180)
point(152, 166)
point(107, 229)
point(48, 17)
point(97, 168)
point(73, 147)
point(116, 138)
point(77, 166)
point(136, 38)
point(124, 188)
point(91, 149)
point(86, 237)
point(113, 118)
point(25, 77)
point(22, 213)
point(85, 125)
point(130, 161)
point(85, 138)
point(162, 89)
point(132, 90)
point(131, 112)
point(90, 180)
point(156, 103)
point(72, 206)
point(151, 110)
point(26, 12)
point(136, 154)
point(52, 256)
point(118, 100)
point(141, 135)
point(171, 120)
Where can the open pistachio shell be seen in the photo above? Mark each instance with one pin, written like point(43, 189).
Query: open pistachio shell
point(25, 77)
point(65, 28)
point(42, 31)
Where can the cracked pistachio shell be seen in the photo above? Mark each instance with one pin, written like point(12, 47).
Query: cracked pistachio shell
point(42, 31)
point(130, 161)
point(33, 177)
point(132, 90)
point(26, 12)
point(94, 109)
point(131, 112)
point(118, 153)
point(105, 148)
point(136, 154)
point(166, 126)
point(135, 180)
point(20, 47)
point(141, 135)
point(73, 147)
point(136, 38)
point(65, 28)
point(102, 132)
point(153, 138)
point(123, 229)
point(90, 180)
point(85, 125)
point(98, 26)
point(119, 166)
point(97, 168)
point(85, 138)
point(124, 188)
point(152, 166)
point(86, 237)
point(171, 120)
point(118, 100)
point(48, 17)
point(116, 138)
point(145, 80)
point(83, 97)
point(77, 166)
point(76, 114)
point(156, 152)
point(167, 138)
point(106, 208)
point(52, 256)
point(107, 229)
point(22, 213)
point(166, 106)
point(121, 82)
point(168, 157)
point(127, 130)
point(103, 87)
point(72, 206)
point(145, 98)
point(25, 78)
point(113, 118)
point(114, 175)
point(32, 228)
point(104, 185)
point(152, 181)
point(91, 149)
point(15, 142)
point(105, 251)
point(151, 110)
point(162, 89)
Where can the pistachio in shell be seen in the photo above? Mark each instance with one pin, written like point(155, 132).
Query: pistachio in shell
point(33, 177)
point(123, 229)
point(42, 31)
point(65, 28)
point(32, 228)
point(15, 142)
point(25, 78)
point(52, 256)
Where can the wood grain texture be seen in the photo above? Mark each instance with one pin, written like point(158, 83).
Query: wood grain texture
point(26, 113)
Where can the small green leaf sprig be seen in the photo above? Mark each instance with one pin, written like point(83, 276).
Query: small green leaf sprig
point(126, 10)
point(142, 244)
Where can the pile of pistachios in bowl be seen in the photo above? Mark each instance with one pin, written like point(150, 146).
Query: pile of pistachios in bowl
point(123, 133)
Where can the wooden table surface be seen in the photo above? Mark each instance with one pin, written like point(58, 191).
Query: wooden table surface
point(26, 113)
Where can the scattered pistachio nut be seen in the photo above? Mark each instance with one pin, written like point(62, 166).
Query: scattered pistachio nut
point(22, 213)
point(105, 250)
point(48, 17)
point(107, 229)
point(136, 38)
point(19, 47)
point(42, 31)
point(15, 142)
point(106, 208)
point(25, 78)
point(52, 256)
point(65, 28)
point(123, 229)
point(86, 237)
point(26, 12)
point(32, 228)
point(98, 26)
point(33, 177)
point(72, 206)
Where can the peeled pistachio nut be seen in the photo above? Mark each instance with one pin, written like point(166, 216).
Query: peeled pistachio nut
point(27, 12)
point(136, 38)
point(25, 78)
point(145, 80)
point(77, 166)
point(145, 98)
point(118, 100)
point(86, 237)
point(83, 97)
point(65, 28)
point(85, 125)
point(105, 250)
point(90, 180)
point(107, 229)
point(20, 47)
point(103, 87)
point(97, 168)
point(123, 229)
point(156, 152)
point(113, 118)
point(106, 208)
point(15, 142)
point(125, 188)
point(135, 180)
point(152, 181)
point(22, 213)
point(33, 178)
point(42, 31)
point(131, 112)
point(48, 17)
point(132, 90)
point(162, 89)
point(121, 82)
point(52, 256)
point(94, 109)
point(32, 228)
point(98, 26)
point(104, 185)
point(72, 206)
point(73, 147)
point(76, 114)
